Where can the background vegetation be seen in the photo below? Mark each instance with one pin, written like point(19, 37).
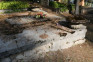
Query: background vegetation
point(13, 5)
point(63, 7)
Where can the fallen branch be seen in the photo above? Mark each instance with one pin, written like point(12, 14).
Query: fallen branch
point(62, 28)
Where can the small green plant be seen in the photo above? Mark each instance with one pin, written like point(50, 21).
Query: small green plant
point(40, 15)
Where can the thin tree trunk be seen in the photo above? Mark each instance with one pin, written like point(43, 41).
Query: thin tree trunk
point(77, 7)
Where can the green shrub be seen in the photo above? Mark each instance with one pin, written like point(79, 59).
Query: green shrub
point(53, 4)
point(63, 9)
point(73, 6)
point(14, 5)
point(62, 6)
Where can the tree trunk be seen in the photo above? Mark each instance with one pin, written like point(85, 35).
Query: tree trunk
point(77, 7)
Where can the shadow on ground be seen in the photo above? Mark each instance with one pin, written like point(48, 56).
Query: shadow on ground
point(89, 34)
point(89, 16)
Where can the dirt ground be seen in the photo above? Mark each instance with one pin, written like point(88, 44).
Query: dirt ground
point(78, 53)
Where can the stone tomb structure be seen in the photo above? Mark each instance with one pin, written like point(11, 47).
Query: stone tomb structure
point(37, 40)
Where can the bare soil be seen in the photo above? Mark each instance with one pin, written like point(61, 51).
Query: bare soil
point(78, 53)
point(44, 36)
point(8, 29)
